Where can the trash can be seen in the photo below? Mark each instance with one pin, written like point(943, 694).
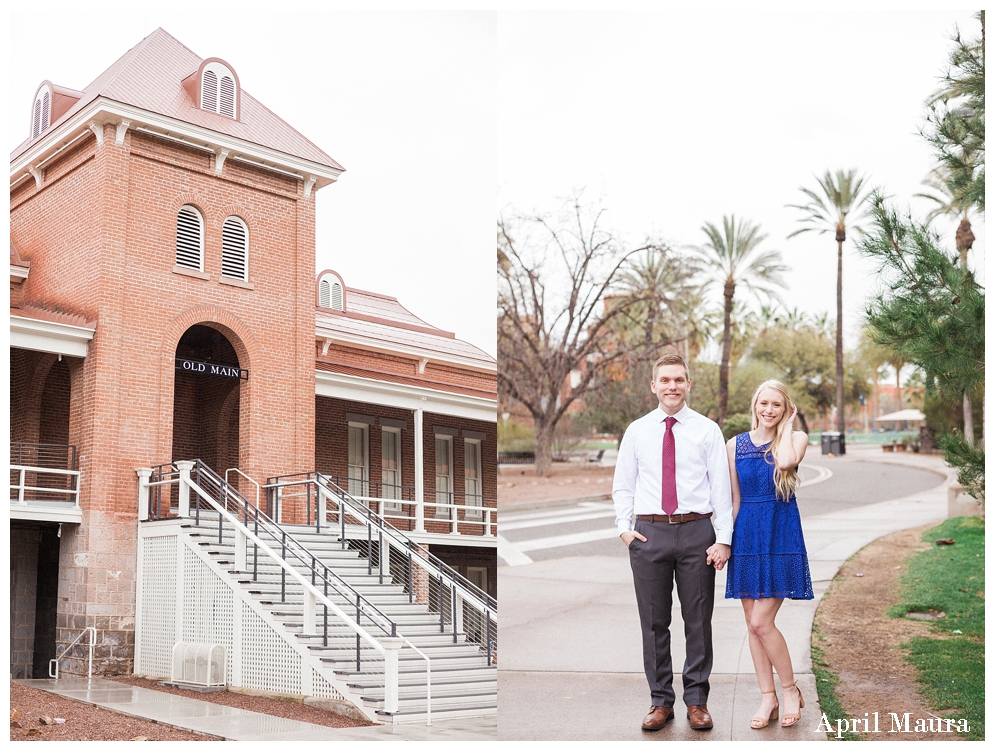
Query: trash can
point(833, 443)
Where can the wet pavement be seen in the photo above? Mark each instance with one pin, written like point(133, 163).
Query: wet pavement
point(571, 658)
point(233, 724)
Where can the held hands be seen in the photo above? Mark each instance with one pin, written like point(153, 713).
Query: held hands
point(628, 537)
point(718, 554)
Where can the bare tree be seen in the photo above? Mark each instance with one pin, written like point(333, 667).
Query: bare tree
point(557, 306)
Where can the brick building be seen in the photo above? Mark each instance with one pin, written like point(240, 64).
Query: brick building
point(165, 307)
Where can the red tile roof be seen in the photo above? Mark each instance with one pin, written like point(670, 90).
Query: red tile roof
point(383, 322)
point(150, 75)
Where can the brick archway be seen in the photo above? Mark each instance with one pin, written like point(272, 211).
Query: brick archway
point(244, 344)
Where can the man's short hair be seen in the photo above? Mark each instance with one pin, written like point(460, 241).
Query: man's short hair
point(671, 359)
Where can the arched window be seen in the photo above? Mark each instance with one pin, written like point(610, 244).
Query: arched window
point(41, 112)
point(218, 90)
point(190, 238)
point(235, 249)
point(330, 292)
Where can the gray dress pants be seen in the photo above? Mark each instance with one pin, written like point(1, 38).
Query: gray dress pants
point(674, 551)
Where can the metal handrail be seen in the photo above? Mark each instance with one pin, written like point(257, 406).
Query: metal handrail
point(89, 669)
point(362, 511)
point(410, 544)
point(290, 545)
point(236, 469)
point(486, 604)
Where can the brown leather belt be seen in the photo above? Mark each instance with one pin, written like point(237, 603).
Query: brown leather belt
point(675, 519)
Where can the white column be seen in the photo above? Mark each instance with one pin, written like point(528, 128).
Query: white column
point(392, 648)
point(240, 550)
point(310, 612)
point(143, 492)
point(419, 472)
point(184, 467)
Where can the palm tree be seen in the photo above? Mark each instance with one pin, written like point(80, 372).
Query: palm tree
point(825, 212)
point(730, 254)
point(953, 200)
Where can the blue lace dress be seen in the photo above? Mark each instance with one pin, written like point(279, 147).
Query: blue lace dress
point(768, 550)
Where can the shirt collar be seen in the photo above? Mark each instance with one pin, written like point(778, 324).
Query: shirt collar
point(681, 416)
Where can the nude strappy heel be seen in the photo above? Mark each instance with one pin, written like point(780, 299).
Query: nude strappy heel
point(759, 722)
point(791, 719)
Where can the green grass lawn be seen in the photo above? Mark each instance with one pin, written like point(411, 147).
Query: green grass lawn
point(867, 439)
point(950, 579)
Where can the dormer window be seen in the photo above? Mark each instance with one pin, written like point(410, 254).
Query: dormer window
point(331, 291)
point(41, 112)
point(219, 89)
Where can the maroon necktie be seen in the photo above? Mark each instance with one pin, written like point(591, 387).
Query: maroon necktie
point(669, 484)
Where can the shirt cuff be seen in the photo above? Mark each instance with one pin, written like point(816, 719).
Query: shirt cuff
point(623, 527)
point(723, 537)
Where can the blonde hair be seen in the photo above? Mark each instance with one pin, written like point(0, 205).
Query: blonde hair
point(785, 481)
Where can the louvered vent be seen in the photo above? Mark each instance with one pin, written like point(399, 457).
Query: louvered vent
point(227, 101)
point(336, 296)
point(234, 247)
point(189, 238)
point(36, 120)
point(324, 295)
point(209, 92)
point(46, 109)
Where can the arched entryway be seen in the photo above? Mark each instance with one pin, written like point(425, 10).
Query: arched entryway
point(206, 396)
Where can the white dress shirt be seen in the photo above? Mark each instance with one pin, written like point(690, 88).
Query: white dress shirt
point(702, 470)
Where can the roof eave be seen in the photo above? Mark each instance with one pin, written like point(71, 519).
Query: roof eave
point(420, 353)
point(102, 111)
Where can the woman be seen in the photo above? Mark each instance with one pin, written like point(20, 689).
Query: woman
point(768, 560)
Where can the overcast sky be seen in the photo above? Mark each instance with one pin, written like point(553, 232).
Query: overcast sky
point(680, 117)
point(443, 118)
point(404, 101)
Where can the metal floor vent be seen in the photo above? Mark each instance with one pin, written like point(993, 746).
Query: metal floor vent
point(198, 664)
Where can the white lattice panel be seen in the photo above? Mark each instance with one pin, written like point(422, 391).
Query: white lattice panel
point(322, 688)
point(268, 662)
point(158, 605)
point(207, 606)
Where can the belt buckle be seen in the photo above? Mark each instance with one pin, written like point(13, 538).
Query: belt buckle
point(670, 519)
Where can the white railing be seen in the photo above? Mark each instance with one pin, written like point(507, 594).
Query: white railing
point(19, 490)
point(387, 647)
point(451, 514)
point(54, 662)
point(331, 501)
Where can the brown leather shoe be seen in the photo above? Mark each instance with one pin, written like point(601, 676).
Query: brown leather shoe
point(658, 717)
point(699, 718)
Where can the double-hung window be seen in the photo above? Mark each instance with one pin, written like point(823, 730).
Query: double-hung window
point(391, 468)
point(359, 462)
point(443, 475)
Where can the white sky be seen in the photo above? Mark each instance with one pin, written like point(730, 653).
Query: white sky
point(674, 118)
point(404, 101)
point(679, 117)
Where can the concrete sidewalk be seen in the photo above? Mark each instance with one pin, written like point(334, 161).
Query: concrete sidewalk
point(571, 660)
point(233, 724)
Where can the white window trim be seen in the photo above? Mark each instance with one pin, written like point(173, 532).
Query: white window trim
point(245, 260)
point(395, 505)
point(220, 71)
point(442, 512)
point(366, 459)
point(473, 514)
point(331, 280)
point(200, 220)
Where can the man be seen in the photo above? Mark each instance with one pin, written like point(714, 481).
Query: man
point(671, 484)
